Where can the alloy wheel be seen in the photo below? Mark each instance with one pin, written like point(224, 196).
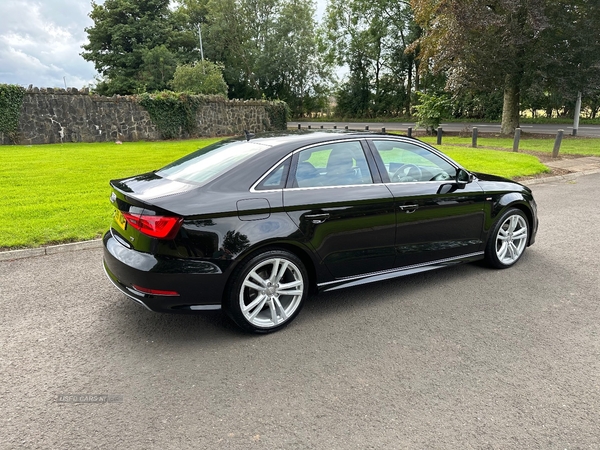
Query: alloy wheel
point(511, 239)
point(271, 292)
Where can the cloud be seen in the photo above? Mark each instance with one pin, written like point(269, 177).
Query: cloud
point(40, 43)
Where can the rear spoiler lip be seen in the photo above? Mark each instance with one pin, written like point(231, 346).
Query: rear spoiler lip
point(118, 195)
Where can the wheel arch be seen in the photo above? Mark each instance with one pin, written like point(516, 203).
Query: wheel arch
point(518, 201)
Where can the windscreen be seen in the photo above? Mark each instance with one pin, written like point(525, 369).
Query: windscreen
point(210, 162)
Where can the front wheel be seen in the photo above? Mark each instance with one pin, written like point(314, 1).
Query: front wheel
point(267, 292)
point(508, 239)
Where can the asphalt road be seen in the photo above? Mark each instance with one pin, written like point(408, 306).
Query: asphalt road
point(583, 130)
point(460, 358)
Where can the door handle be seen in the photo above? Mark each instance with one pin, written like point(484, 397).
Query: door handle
point(317, 218)
point(409, 208)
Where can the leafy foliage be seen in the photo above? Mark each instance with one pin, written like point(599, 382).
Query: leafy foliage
point(431, 110)
point(495, 57)
point(135, 45)
point(172, 113)
point(11, 102)
point(269, 49)
point(158, 67)
point(203, 77)
point(526, 48)
point(279, 113)
point(373, 38)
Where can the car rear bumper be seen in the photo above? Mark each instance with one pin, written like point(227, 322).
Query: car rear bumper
point(199, 287)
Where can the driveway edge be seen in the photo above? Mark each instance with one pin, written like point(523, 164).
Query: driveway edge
point(51, 250)
point(567, 177)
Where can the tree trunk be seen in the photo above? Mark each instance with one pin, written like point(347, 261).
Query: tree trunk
point(409, 83)
point(511, 108)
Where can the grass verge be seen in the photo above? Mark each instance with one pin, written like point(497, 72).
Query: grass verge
point(59, 193)
point(504, 164)
point(570, 145)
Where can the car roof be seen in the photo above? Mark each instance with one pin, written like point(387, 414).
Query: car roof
point(306, 137)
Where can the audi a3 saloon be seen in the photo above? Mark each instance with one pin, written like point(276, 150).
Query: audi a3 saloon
point(253, 225)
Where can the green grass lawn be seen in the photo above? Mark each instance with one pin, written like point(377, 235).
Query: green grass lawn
point(59, 193)
point(570, 146)
point(504, 164)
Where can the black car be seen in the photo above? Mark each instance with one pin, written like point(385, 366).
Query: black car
point(252, 225)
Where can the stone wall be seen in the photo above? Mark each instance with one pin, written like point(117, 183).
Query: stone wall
point(58, 115)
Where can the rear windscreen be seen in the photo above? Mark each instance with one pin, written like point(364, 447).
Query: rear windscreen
point(210, 162)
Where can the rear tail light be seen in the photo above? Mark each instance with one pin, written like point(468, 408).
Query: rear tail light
point(161, 227)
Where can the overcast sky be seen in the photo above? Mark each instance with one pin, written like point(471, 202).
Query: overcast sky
point(40, 42)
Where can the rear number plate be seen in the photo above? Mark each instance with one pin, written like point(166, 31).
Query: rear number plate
point(120, 219)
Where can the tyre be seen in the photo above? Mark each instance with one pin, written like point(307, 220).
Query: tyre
point(267, 292)
point(508, 239)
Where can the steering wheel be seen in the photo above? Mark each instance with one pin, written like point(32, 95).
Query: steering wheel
point(403, 173)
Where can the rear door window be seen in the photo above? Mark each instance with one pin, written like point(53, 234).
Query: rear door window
point(335, 164)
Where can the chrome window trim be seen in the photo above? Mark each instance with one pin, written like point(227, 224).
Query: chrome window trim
point(332, 187)
point(420, 183)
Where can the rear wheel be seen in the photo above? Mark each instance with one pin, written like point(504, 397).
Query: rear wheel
point(508, 239)
point(267, 292)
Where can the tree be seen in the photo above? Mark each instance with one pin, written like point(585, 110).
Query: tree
point(267, 47)
point(296, 67)
point(158, 67)
point(203, 77)
point(372, 39)
point(515, 45)
point(134, 44)
point(196, 11)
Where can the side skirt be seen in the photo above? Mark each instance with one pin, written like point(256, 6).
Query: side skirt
point(394, 273)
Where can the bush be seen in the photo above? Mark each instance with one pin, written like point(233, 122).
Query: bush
point(202, 77)
point(172, 113)
point(431, 110)
point(11, 102)
point(279, 113)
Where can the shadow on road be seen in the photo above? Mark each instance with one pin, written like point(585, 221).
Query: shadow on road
point(134, 323)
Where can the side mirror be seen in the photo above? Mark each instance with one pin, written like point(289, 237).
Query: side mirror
point(462, 179)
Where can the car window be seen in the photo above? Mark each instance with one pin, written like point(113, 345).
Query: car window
point(336, 164)
point(276, 178)
point(408, 163)
point(210, 162)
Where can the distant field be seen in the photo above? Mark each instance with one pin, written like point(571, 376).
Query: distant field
point(59, 193)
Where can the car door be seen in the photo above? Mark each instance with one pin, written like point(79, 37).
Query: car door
point(335, 196)
point(436, 217)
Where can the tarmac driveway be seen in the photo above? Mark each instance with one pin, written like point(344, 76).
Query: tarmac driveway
point(459, 358)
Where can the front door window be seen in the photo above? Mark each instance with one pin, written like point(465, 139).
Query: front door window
point(408, 163)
